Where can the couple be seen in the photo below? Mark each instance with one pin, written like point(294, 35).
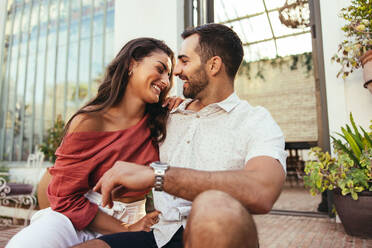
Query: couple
point(216, 151)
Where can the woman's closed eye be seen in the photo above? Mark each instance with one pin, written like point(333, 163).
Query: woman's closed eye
point(160, 70)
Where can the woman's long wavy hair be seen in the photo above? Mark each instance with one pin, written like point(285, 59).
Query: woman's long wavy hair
point(114, 84)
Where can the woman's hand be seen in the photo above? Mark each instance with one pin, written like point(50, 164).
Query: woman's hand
point(172, 102)
point(145, 223)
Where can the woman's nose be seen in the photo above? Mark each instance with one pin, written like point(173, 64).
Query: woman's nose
point(165, 81)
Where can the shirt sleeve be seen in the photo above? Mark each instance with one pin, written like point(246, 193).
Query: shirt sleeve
point(267, 139)
point(70, 181)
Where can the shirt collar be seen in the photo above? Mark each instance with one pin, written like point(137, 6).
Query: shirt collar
point(228, 104)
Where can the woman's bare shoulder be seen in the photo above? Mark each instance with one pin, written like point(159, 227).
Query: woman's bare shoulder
point(87, 122)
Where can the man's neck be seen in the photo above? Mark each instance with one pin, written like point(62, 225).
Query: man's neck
point(213, 97)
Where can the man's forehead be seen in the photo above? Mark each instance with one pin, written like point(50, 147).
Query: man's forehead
point(189, 45)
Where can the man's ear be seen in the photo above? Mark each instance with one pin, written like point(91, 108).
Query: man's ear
point(214, 65)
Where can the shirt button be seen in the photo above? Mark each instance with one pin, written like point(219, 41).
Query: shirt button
point(188, 142)
point(197, 116)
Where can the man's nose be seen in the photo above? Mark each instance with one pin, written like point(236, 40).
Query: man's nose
point(177, 69)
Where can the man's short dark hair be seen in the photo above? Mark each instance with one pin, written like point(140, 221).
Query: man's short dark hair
point(218, 40)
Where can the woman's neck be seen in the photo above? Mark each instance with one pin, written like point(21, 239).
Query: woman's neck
point(130, 107)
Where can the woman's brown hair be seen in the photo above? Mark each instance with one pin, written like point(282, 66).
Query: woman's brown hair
point(114, 84)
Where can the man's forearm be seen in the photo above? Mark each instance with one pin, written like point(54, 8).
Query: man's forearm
point(256, 190)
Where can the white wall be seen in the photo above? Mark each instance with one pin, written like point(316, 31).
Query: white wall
point(161, 19)
point(346, 96)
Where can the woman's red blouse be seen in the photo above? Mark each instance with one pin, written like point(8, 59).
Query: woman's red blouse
point(82, 159)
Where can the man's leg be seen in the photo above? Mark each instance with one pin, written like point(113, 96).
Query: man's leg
point(123, 239)
point(218, 220)
point(94, 243)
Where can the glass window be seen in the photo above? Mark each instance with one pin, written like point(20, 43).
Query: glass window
point(255, 26)
point(59, 67)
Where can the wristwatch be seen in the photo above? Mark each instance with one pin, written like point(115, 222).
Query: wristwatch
point(159, 170)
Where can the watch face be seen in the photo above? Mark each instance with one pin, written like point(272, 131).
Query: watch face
point(159, 165)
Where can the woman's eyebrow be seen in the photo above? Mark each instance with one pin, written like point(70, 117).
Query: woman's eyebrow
point(165, 67)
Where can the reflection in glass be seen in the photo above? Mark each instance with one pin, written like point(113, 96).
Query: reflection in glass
point(28, 107)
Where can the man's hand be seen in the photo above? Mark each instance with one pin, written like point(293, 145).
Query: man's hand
point(123, 177)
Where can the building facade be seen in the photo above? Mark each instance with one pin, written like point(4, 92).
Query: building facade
point(53, 54)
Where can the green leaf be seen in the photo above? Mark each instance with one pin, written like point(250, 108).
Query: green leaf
point(358, 141)
point(348, 129)
point(354, 195)
point(352, 143)
point(359, 136)
point(343, 147)
point(341, 135)
point(366, 136)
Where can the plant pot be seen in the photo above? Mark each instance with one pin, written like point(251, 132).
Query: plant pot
point(366, 61)
point(355, 215)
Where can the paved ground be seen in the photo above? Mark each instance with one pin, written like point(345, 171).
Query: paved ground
point(298, 199)
point(6, 234)
point(276, 231)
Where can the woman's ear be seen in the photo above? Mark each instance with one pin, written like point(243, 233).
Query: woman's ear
point(132, 66)
point(214, 65)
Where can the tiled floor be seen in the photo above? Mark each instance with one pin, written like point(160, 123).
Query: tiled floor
point(298, 199)
point(7, 233)
point(276, 231)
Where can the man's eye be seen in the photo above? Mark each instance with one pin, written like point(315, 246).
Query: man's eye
point(160, 70)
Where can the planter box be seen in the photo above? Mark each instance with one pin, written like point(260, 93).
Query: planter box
point(355, 215)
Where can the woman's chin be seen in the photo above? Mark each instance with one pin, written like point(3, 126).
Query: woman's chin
point(153, 99)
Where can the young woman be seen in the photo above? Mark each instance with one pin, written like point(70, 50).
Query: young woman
point(125, 121)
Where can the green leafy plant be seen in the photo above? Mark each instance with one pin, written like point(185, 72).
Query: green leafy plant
point(350, 171)
point(4, 170)
point(53, 139)
point(358, 36)
point(295, 62)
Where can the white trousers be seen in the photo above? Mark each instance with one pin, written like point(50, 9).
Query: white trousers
point(51, 229)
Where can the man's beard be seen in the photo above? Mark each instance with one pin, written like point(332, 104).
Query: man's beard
point(197, 84)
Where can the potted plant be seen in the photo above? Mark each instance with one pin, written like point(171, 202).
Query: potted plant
point(349, 174)
point(53, 139)
point(356, 50)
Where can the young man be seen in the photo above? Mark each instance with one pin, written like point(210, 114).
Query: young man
point(220, 153)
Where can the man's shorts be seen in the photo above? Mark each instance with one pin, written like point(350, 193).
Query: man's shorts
point(140, 240)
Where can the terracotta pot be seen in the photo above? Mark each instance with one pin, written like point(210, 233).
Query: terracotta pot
point(366, 61)
point(355, 215)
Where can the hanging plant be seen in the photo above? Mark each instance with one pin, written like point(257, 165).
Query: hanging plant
point(356, 50)
point(305, 60)
point(295, 14)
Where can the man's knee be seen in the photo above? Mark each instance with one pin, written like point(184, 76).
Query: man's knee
point(221, 219)
point(214, 204)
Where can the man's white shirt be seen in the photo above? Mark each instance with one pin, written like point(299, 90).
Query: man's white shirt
point(221, 136)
